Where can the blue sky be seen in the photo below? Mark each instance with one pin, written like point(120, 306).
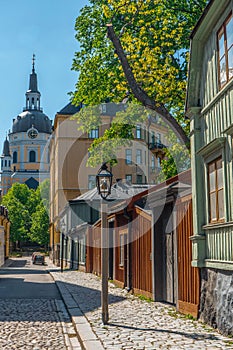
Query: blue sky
point(46, 28)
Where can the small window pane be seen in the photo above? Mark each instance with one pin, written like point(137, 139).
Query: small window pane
point(213, 214)
point(94, 134)
point(138, 132)
point(225, 48)
point(211, 167)
point(158, 137)
point(153, 162)
point(128, 156)
point(230, 62)
point(128, 178)
point(139, 179)
point(219, 163)
point(223, 75)
point(212, 182)
point(15, 157)
point(221, 45)
point(220, 204)
point(229, 31)
point(139, 156)
point(32, 156)
point(220, 177)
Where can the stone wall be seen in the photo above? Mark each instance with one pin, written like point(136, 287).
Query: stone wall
point(216, 304)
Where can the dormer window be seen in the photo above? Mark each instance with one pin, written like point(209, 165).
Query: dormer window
point(225, 51)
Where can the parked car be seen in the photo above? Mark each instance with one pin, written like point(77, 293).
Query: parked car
point(38, 258)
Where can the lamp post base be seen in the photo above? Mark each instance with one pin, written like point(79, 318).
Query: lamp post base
point(105, 318)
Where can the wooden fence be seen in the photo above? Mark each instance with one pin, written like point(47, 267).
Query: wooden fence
point(188, 276)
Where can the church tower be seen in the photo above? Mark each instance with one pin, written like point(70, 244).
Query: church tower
point(6, 167)
point(28, 139)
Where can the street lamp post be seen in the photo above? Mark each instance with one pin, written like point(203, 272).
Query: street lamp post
point(104, 184)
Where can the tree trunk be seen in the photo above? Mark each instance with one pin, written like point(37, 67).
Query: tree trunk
point(139, 93)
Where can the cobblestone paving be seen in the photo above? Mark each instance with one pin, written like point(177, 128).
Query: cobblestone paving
point(33, 324)
point(137, 324)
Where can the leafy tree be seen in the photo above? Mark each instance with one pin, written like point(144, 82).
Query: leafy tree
point(39, 231)
point(119, 134)
point(176, 159)
point(22, 204)
point(43, 192)
point(16, 200)
point(145, 58)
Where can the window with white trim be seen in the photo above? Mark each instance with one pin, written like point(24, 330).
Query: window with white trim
point(128, 156)
point(128, 178)
point(138, 156)
point(225, 51)
point(138, 131)
point(215, 191)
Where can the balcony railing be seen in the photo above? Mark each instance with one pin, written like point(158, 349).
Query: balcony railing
point(156, 145)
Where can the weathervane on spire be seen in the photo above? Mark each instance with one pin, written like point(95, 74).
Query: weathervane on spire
point(33, 63)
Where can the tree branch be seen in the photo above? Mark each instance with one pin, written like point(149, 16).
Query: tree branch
point(139, 93)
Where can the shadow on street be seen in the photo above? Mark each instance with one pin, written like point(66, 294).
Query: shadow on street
point(88, 299)
point(195, 336)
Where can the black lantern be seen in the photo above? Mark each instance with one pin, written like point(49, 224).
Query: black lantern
point(104, 181)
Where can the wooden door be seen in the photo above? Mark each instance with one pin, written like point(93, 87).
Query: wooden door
point(169, 260)
point(188, 276)
point(168, 282)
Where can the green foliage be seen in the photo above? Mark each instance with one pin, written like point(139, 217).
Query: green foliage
point(43, 192)
point(39, 231)
point(144, 298)
point(88, 118)
point(25, 208)
point(118, 134)
point(155, 37)
point(18, 202)
point(176, 160)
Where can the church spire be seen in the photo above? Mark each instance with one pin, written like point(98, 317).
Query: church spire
point(33, 77)
point(6, 148)
point(33, 63)
point(32, 94)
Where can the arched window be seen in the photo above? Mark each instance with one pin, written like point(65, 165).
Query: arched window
point(32, 156)
point(5, 162)
point(9, 163)
point(15, 157)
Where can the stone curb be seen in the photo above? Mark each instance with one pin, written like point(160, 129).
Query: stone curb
point(85, 334)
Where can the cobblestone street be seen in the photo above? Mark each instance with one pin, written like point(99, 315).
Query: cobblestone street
point(134, 324)
point(32, 324)
point(28, 321)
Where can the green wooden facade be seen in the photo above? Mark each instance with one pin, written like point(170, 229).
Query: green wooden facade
point(210, 108)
